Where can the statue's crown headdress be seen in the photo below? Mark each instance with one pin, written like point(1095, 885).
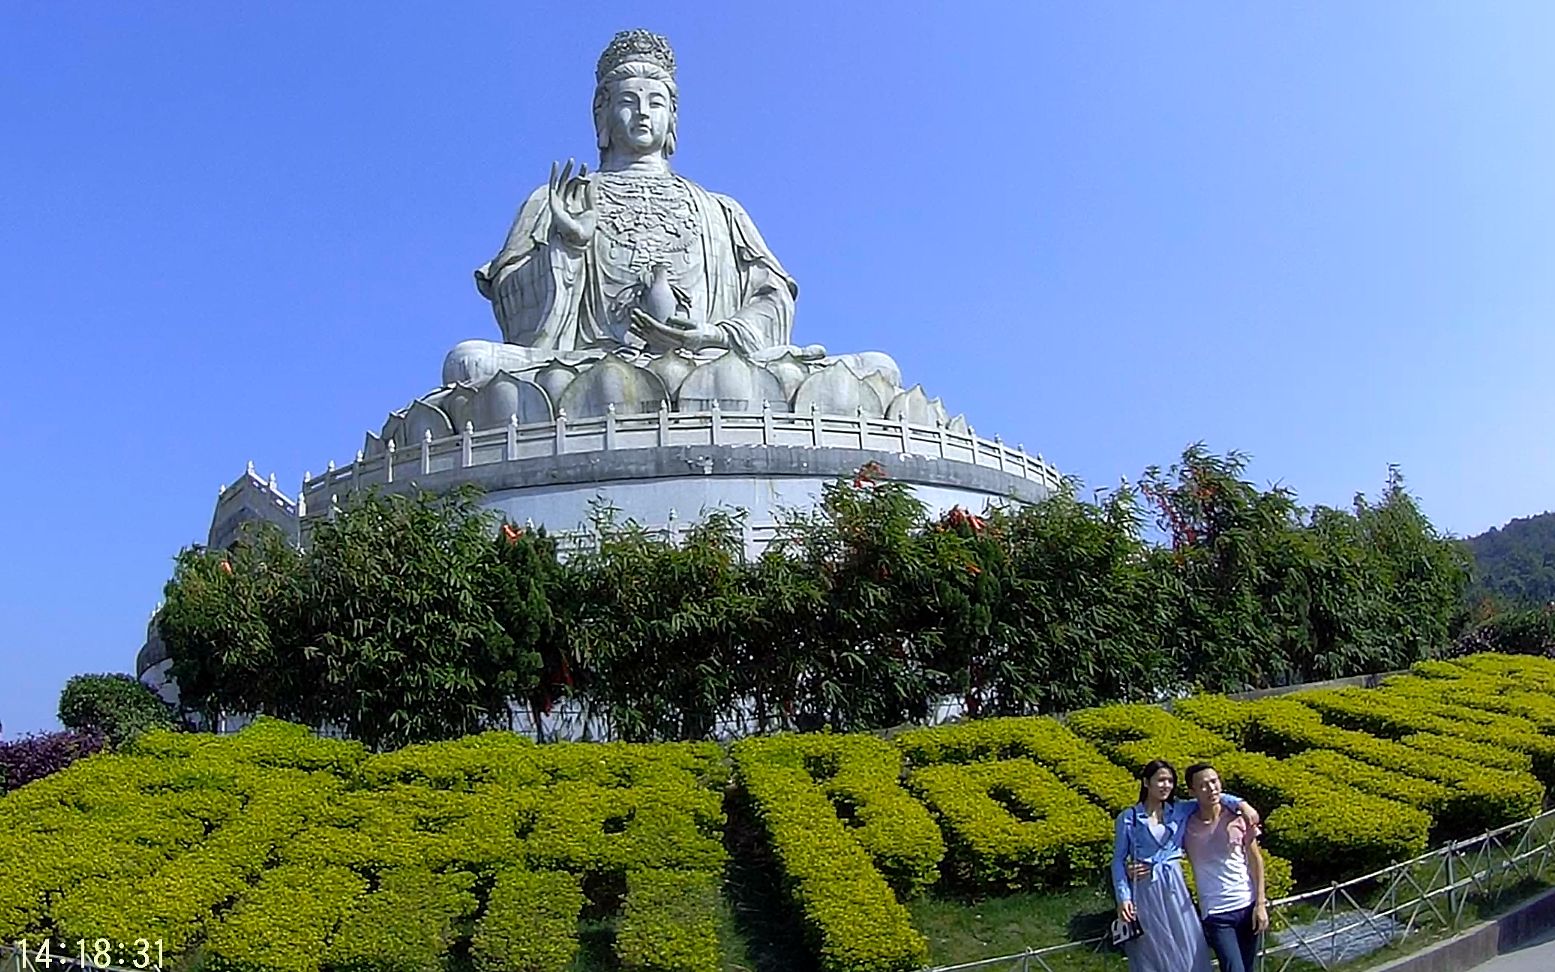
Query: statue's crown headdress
point(635, 45)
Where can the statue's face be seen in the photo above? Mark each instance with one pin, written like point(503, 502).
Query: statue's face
point(639, 115)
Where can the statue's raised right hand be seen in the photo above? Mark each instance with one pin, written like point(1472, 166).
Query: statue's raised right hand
point(572, 203)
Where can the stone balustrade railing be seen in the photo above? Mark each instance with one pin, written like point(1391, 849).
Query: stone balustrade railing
point(402, 463)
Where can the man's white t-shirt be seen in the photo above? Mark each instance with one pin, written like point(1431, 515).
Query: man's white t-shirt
point(1218, 852)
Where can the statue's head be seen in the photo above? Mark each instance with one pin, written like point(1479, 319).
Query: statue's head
point(635, 97)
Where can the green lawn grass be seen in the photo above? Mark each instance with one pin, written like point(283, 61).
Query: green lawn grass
point(962, 930)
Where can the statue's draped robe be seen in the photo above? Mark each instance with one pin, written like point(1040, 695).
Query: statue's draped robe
point(554, 297)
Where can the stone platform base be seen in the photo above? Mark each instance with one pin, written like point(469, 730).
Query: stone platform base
point(665, 486)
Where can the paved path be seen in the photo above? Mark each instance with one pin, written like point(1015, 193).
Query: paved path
point(1537, 956)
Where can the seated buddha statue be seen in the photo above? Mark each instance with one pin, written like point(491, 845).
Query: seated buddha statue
point(633, 259)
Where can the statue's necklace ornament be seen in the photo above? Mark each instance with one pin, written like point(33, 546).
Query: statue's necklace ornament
point(651, 216)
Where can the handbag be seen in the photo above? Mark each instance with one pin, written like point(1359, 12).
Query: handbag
point(1126, 931)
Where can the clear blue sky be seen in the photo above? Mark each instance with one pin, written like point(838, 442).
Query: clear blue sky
point(1320, 233)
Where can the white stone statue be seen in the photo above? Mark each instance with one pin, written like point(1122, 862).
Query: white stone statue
point(575, 277)
point(631, 288)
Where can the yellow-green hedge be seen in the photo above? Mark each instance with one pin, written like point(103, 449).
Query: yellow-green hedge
point(1047, 742)
point(849, 912)
point(209, 842)
point(530, 924)
point(862, 777)
point(670, 922)
point(1057, 839)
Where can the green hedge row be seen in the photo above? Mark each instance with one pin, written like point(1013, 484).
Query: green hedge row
point(670, 922)
point(530, 924)
point(286, 922)
point(847, 908)
point(1014, 825)
point(205, 841)
point(862, 777)
point(407, 925)
point(1046, 742)
point(1508, 741)
point(1133, 735)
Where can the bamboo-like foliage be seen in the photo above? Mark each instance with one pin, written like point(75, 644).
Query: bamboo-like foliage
point(403, 621)
point(419, 618)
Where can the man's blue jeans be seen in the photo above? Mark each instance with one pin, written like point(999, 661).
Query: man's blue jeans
point(1230, 936)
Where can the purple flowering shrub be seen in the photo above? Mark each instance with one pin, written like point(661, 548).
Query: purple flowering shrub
point(35, 756)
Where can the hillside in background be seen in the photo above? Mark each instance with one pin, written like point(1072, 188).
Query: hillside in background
point(1515, 563)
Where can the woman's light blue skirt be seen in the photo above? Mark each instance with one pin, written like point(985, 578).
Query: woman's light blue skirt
point(1173, 939)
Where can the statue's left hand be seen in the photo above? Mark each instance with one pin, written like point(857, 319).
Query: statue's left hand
point(680, 332)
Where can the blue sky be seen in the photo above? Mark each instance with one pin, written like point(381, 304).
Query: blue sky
point(1323, 234)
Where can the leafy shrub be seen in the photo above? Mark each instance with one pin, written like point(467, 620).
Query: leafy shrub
point(284, 923)
point(530, 924)
point(853, 920)
point(1324, 828)
point(1481, 798)
point(117, 706)
point(1427, 795)
point(460, 764)
point(1013, 825)
point(1133, 735)
point(861, 776)
point(1046, 742)
point(1433, 722)
point(407, 925)
point(35, 756)
point(670, 922)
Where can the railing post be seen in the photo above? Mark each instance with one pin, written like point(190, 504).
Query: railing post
point(972, 434)
point(1452, 881)
point(767, 434)
point(716, 424)
point(466, 446)
point(610, 426)
point(906, 432)
point(998, 441)
point(512, 451)
point(426, 452)
point(858, 416)
point(388, 462)
point(815, 425)
point(939, 430)
point(356, 471)
point(561, 431)
point(302, 500)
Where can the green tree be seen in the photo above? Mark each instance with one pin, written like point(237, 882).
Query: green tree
point(1515, 564)
point(116, 706)
point(659, 627)
point(231, 622)
point(401, 622)
point(851, 614)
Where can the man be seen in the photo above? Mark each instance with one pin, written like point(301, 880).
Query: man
point(1228, 873)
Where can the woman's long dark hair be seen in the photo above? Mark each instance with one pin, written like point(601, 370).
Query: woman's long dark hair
point(1151, 769)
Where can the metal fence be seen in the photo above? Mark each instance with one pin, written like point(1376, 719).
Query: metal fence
point(1032, 960)
point(1326, 928)
point(1334, 926)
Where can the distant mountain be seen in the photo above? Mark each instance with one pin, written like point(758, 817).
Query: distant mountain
point(1515, 563)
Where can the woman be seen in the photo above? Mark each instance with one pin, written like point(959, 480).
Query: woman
point(1149, 835)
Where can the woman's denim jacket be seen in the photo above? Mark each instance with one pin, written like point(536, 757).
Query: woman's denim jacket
point(1132, 838)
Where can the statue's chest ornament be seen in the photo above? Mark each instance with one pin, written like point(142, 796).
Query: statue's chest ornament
point(653, 218)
